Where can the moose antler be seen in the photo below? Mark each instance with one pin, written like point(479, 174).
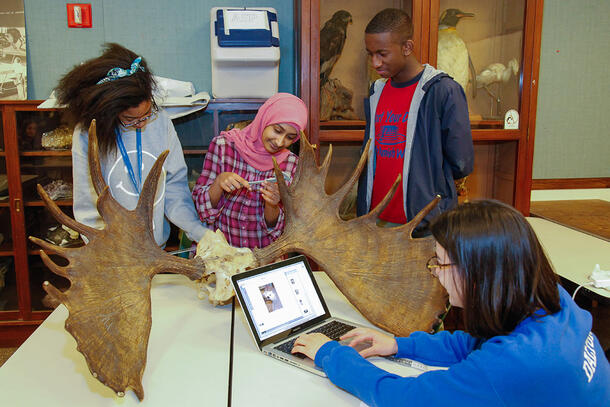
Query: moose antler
point(109, 296)
point(381, 271)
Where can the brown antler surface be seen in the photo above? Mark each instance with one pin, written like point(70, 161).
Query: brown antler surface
point(381, 271)
point(109, 296)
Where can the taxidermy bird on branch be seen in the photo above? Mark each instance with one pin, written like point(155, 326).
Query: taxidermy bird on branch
point(332, 40)
point(497, 72)
point(452, 54)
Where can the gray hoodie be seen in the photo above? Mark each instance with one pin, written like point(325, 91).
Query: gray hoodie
point(173, 202)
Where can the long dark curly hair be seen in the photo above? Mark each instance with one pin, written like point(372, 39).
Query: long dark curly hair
point(85, 100)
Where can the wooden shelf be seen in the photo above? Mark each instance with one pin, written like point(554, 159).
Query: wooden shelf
point(487, 124)
point(41, 203)
point(341, 135)
point(478, 135)
point(6, 248)
point(495, 135)
point(343, 124)
point(46, 153)
point(194, 151)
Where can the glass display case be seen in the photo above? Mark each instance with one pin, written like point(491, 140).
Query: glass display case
point(490, 47)
point(480, 44)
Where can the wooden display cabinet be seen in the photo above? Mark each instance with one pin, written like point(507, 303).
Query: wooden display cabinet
point(500, 31)
point(24, 163)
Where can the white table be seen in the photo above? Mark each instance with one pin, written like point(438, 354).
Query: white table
point(573, 254)
point(188, 360)
point(187, 365)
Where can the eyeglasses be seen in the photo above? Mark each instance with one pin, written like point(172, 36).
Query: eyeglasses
point(433, 264)
point(153, 113)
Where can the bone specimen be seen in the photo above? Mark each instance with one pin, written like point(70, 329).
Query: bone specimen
point(381, 271)
point(222, 261)
point(109, 296)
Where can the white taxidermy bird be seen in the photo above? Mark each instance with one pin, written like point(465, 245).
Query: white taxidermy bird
point(497, 72)
point(452, 55)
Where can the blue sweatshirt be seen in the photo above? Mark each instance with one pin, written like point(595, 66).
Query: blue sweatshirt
point(554, 360)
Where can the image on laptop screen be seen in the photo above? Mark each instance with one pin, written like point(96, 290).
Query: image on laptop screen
point(280, 298)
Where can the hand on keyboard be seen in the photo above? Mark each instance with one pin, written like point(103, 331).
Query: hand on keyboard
point(380, 343)
point(309, 344)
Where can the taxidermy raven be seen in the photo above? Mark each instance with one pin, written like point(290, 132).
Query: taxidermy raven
point(332, 39)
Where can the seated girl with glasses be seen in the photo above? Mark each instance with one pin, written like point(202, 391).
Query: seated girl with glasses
point(235, 192)
point(525, 343)
point(116, 89)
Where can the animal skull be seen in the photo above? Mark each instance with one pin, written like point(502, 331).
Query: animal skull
point(222, 261)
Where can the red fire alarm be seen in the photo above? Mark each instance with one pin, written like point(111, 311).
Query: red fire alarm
point(79, 15)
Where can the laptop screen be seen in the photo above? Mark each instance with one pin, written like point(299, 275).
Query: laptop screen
point(279, 297)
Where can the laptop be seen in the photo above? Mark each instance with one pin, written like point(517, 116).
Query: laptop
point(282, 301)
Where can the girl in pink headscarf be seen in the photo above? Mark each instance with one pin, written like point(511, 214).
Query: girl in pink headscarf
point(250, 215)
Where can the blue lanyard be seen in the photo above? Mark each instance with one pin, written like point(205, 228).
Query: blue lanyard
point(132, 175)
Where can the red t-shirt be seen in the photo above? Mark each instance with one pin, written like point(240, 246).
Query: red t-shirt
point(391, 120)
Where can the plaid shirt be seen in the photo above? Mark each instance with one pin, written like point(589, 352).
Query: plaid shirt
point(239, 215)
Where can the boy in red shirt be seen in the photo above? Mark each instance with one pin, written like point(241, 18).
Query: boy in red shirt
point(417, 117)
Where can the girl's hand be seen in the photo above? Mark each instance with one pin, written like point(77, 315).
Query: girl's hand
point(270, 193)
point(309, 344)
point(382, 344)
point(231, 182)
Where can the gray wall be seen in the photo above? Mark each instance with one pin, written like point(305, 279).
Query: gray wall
point(573, 122)
point(173, 36)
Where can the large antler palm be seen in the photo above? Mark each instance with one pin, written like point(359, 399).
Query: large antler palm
point(381, 271)
point(109, 296)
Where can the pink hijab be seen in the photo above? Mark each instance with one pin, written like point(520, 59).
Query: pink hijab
point(279, 108)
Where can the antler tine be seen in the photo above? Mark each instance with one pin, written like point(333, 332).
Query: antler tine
point(282, 186)
point(420, 215)
point(55, 293)
point(94, 160)
point(193, 268)
point(60, 271)
point(147, 196)
point(62, 218)
point(61, 251)
point(323, 170)
point(384, 202)
point(349, 184)
point(306, 153)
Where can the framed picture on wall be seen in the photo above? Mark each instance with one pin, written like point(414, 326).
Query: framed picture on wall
point(13, 55)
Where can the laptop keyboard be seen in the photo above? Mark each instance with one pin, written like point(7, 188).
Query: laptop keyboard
point(333, 330)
